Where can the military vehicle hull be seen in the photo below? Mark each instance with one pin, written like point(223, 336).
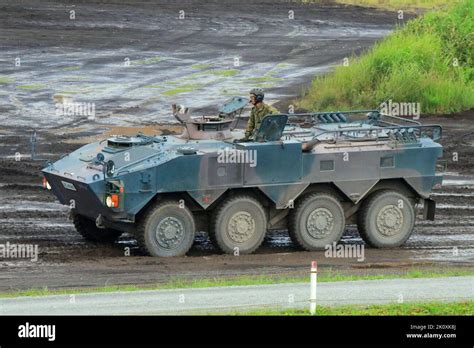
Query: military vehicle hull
point(312, 181)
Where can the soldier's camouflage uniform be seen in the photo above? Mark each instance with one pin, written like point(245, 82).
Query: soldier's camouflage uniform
point(256, 117)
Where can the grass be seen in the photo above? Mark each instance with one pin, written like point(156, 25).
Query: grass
point(269, 76)
point(182, 89)
point(223, 72)
point(282, 65)
point(407, 308)
point(200, 66)
point(215, 72)
point(32, 87)
point(429, 61)
point(262, 79)
point(182, 283)
point(405, 5)
point(5, 80)
point(153, 86)
point(71, 68)
point(74, 77)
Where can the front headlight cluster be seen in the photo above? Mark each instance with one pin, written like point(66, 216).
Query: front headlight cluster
point(112, 201)
point(46, 184)
point(114, 193)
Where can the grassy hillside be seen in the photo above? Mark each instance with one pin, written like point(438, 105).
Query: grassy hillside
point(405, 5)
point(428, 61)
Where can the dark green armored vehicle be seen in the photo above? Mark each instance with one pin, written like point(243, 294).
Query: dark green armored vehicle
point(309, 173)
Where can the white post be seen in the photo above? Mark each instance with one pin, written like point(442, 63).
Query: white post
point(314, 281)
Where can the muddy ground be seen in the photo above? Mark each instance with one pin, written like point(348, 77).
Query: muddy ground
point(31, 215)
point(187, 61)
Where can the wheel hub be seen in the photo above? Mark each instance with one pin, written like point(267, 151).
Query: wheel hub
point(390, 220)
point(241, 227)
point(169, 232)
point(320, 223)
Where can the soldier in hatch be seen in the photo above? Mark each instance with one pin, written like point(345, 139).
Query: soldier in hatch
point(258, 112)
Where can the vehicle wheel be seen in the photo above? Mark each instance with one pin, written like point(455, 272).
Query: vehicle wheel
point(240, 222)
point(386, 219)
point(316, 221)
point(89, 231)
point(166, 230)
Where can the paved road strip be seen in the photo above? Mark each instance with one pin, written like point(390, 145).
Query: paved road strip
point(215, 299)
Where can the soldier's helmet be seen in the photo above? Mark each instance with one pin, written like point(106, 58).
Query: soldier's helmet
point(259, 93)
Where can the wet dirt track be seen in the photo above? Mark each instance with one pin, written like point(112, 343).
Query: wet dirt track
point(133, 61)
point(293, 53)
point(28, 214)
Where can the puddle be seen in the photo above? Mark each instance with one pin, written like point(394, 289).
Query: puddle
point(453, 194)
point(439, 238)
point(32, 206)
point(456, 179)
point(460, 255)
point(454, 206)
point(451, 182)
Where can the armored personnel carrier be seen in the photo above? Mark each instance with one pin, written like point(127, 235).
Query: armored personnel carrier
point(309, 173)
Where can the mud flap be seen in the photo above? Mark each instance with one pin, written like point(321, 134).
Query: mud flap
point(429, 209)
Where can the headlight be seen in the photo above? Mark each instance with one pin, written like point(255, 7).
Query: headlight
point(112, 201)
point(108, 201)
point(46, 184)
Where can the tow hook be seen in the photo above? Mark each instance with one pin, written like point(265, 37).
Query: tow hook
point(99, 222)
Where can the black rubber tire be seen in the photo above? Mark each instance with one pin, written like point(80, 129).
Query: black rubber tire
point(153, 217)
point(220, 233)
point(89, 231)
point(367, 218)
point(297, 226)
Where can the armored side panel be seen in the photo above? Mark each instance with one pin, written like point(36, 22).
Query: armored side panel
point(276, 163)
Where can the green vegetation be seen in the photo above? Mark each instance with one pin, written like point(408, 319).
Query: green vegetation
point(405, 5)
point(408, 308)
point(153, 86)
point(282, 65)
point(71, 68)
point(216, 72)
point(74, 77)
point(200, 66)
point(429, 61)
point(262, 79)
point(268, 78)
point(33, 86)
point(182, 283)
point(187, 84)
point(222, 72)
point(183, 89)
point(5, 80)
